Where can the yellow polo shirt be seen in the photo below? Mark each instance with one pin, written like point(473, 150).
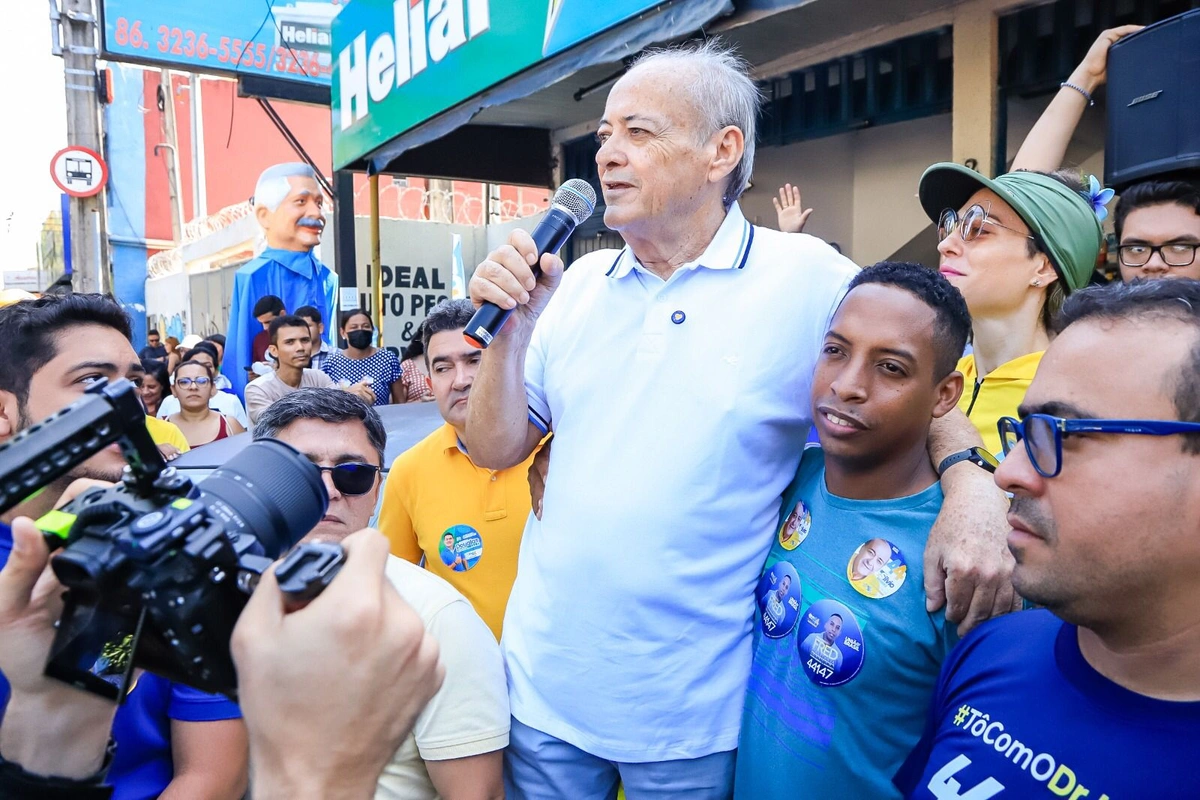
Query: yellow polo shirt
point(997, 395)
point(163, 432)
point(464, 520)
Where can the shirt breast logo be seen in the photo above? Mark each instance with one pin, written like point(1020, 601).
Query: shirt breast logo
point(795, 528)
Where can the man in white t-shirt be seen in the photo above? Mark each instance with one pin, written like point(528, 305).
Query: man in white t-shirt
point(291, 345)
point(675, 375)
point(455, 748)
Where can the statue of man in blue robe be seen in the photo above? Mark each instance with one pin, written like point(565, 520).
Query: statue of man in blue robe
point(290, 207)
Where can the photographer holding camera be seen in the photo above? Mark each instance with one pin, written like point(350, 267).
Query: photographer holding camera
point(52, 740)
point(172, 740)
point(358, 635)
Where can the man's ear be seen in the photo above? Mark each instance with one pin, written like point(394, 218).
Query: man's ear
point(731, 146)
point(273, 351)
point(949, 389)
point(262, 214)
point(10, 416)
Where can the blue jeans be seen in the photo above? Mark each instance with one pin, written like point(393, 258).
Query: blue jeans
point(538, 766)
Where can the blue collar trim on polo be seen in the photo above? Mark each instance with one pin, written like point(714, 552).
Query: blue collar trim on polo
point(729, 249)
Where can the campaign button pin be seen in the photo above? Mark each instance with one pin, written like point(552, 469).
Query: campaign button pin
point(831, 643)
point(795, 528)
point(877, 569)
point(779, 599)
point(678, 317)
point(460, 548)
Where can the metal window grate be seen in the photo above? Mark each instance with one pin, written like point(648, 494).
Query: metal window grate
point(902, 80)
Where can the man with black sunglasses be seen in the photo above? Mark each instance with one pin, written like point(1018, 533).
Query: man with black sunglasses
point(455, 748)
point(1097, 694)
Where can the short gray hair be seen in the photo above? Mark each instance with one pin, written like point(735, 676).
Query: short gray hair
point(273, 187)
point(328, 405)
point(723, 92)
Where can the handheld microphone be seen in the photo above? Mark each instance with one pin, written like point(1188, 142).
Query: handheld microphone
point(573, 203)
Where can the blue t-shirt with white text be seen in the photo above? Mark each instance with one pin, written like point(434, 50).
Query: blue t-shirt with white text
point(1020, 713)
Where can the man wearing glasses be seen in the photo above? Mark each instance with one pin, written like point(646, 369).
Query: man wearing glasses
point(1157, 221)
point(454, 750)
point(1158, 227)
point(1097, 693)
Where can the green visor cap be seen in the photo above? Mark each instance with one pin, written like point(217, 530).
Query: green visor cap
point(1062, 219)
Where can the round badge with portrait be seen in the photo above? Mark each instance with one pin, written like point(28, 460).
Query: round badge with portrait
point(460, 548)
point(795, 528)
point(831, 643)
point(877, 569)
point(778, 596)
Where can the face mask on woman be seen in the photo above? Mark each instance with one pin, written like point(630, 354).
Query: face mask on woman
point(359, 340)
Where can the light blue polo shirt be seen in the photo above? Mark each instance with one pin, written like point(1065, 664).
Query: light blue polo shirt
point(679, 410)
point(841, 681)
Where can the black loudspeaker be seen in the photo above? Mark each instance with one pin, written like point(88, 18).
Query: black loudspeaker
point(1154, 102)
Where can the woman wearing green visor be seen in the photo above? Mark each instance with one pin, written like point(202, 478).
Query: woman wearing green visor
point(1015, 247)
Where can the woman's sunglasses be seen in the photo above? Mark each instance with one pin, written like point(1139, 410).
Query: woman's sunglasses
point(970, 224)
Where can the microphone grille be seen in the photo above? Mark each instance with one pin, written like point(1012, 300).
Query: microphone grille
point(577, 198)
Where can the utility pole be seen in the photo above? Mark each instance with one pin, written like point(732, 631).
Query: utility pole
point(167, 92)
point(89, 258)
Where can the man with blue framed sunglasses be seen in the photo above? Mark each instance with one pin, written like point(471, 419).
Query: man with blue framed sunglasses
point(1097, 694)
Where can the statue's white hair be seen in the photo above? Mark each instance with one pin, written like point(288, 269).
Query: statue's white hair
point(273, 187)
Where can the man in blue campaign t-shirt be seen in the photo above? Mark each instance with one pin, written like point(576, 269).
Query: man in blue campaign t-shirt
point(1097, 695)
point(167, 735)
point(845, 654)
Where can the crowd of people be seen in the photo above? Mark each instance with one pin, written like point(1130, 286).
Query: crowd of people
point(716, 515)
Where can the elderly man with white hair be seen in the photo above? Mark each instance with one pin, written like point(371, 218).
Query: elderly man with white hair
point(290, 208)
point(675, 375)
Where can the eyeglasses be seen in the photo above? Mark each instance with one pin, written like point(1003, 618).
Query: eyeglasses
point(199, 383)
point(970, 224)
point(352, 478)
point(1173, 254)
point(1043, 435)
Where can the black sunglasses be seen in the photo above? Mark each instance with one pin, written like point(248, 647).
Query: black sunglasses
point(351, 478)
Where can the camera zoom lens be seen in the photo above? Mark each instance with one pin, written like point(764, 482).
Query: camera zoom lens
point(268, 490)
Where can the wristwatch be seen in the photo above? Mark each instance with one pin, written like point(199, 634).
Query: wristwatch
point(976, 455)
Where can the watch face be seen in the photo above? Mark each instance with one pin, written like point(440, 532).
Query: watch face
point(984, 459)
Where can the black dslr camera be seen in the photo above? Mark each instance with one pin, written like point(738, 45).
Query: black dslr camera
point(157, 568)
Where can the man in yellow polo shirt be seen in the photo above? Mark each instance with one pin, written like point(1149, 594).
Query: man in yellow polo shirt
point(464, 522)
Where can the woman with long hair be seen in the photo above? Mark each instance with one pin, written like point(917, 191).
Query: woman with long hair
point(173, 354)
point(156, 384)
point(194, 387)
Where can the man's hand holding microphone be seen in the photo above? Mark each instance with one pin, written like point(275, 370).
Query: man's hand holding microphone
point(511, 289)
